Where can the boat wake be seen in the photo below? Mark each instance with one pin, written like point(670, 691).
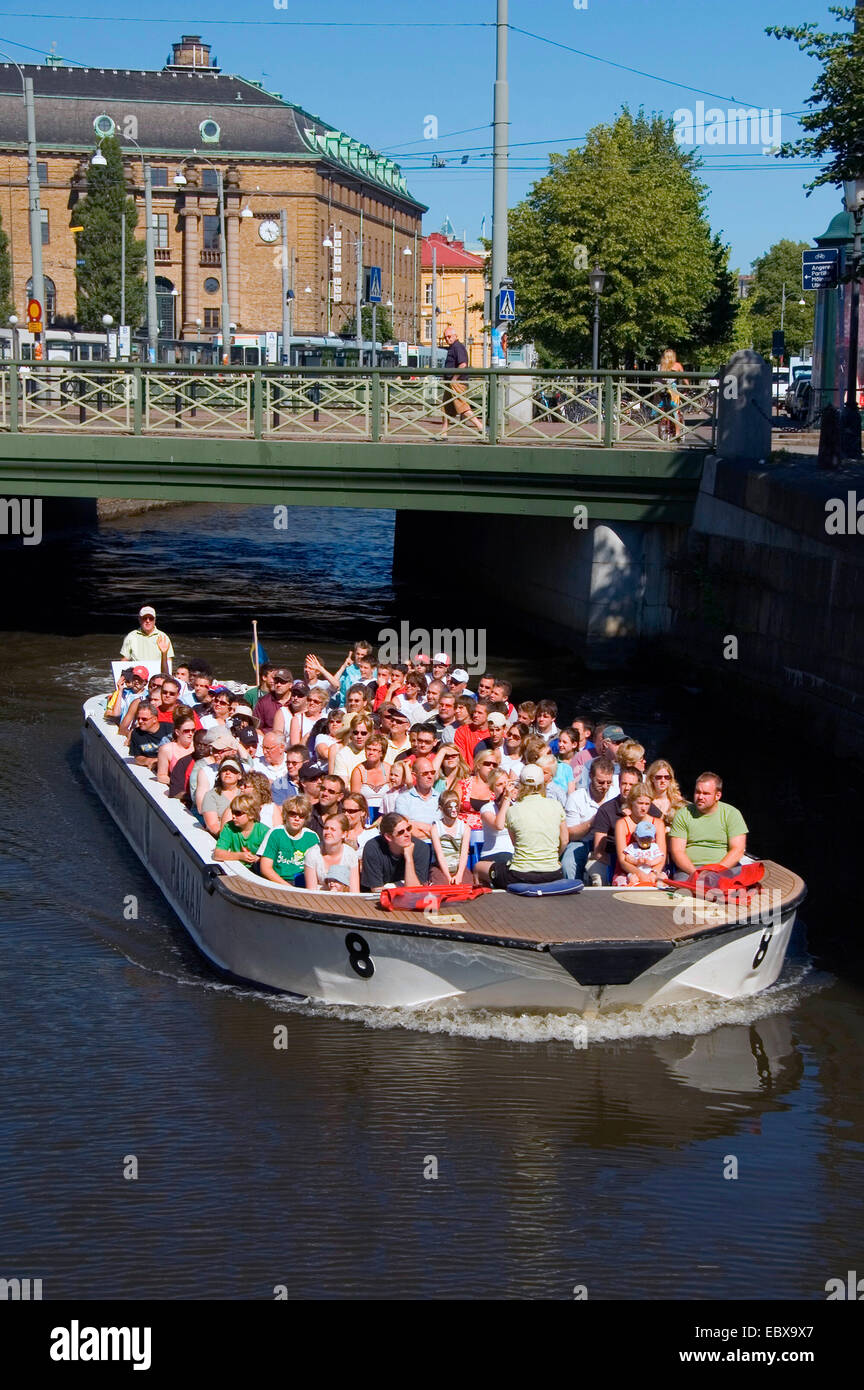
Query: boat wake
point(798, 981)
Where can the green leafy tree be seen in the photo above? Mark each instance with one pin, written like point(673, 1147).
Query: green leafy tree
point(781, 264)
point(835, 126)
point(713, 334)
point(98, 245)
point(631, 197)
point(5, 276)
point(384, 324)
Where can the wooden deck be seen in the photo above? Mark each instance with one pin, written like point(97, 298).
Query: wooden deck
point(593, 916)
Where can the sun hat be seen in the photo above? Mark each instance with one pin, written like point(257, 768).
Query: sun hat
point(338, 873)
point(231, 762)
point(218, 738)
point(532, 776)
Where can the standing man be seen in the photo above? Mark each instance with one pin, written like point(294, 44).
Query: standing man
point(456, 404)
point(143, 642)
point(277, 697)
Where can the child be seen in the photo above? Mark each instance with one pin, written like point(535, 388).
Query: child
point(643, 858)
point(244, 834)
point(564, 772)
point(283, 854)
point(526, 712)
point(396, 778)
point(450, 838)
point(337, 879)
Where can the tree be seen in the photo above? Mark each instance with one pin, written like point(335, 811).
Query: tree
point(835, 126)
point(781, 264)
point(632, 199)
point(98, 245)
point(384, 324)
point(6, 288)
point(713, 334)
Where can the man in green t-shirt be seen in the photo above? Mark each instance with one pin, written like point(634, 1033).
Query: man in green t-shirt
point(243, 834)
point(707, 831)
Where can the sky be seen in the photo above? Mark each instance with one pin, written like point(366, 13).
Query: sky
point(381, 71)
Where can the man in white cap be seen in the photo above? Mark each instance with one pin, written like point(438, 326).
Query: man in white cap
point(458, 683)
point(146, 642)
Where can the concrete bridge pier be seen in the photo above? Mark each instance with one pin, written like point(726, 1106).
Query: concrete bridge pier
point(601, 589)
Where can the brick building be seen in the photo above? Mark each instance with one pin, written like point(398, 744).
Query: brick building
point(190, 118)
point(460, 277)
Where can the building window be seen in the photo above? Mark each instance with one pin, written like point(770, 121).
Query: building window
point(427, 329)
point(211, 233)
point(211, 319)
point(160, 230)
point(104, 126)
point(159, 178)
point(50, 305)
point(46, 230)
point(166, 298)
point(211, 285)
point(209, 178)
point(42, 173)
point(210, 131)
point(427, 292)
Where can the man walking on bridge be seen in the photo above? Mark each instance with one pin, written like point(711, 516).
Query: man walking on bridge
point(456, 388)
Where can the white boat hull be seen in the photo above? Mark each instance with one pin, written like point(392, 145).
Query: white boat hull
point(326, 958)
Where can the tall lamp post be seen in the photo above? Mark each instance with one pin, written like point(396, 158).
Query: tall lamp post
point(37, 278)
point(596, 281)
point(853, 191)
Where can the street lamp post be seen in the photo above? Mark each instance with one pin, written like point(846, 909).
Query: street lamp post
point(500, 138)
point(851, 420)
point(13, 324)
point(596, 281)
point(37, 278)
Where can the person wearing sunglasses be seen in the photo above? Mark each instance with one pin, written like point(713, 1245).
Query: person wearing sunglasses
point(220, 709)
point(147, 642)
point(277, 698)
point(395, 856)
point(665, 790)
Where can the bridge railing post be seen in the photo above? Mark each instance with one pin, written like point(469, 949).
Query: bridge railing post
point(606, 393)
point(493, 406)
point(14, 398)
point(137, 399)
point(257, 403)
point(376, 406)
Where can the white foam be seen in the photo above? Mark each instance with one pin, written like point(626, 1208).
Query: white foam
point(796, 983)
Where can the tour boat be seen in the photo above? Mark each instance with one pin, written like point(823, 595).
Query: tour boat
point(597, 950)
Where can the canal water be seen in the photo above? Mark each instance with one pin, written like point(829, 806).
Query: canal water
point(155, 1142)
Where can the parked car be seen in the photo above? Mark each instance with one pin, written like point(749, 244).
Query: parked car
point(797, 402)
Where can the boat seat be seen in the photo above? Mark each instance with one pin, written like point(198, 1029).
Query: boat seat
point(543, 890)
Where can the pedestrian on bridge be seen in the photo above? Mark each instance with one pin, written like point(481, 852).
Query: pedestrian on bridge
point(456, 405)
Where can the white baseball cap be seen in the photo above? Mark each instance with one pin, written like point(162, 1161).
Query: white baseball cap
point(496, 720)
point(532, 776)
point(460, 675)
point(147, 612)
point(440, 659)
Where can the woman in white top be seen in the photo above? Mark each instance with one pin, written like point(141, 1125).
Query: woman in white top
point(410, 702)
point(369, 778)
point(333, 851)
point(512, 759)
point(350, 751)
point(324, 742)
point(303, 721)
point(495, 839)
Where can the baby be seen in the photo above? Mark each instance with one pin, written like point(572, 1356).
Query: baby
point(644, 858)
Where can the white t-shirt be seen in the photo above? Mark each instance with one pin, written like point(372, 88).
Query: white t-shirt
point(413, 708)
point(495, 841)
point(315, 860)
point(512, 766)
point(345, 762)
point(581, 806)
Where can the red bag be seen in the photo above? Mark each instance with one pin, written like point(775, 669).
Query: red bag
point(419, 899)
point(720, 882)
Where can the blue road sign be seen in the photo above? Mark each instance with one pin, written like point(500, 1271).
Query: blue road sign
point(819, 268)
point(506, 306)
point(373, 289)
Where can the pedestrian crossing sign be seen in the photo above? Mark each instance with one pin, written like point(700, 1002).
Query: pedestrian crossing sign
point(506, 305)
point(373, 285)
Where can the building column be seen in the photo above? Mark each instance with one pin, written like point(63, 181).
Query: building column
point(191, 268)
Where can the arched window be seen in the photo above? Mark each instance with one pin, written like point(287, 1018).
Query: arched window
point(50, 305)
point(166, 298)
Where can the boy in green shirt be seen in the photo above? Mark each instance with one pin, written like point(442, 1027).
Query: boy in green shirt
point(242, 835)
point(283, 857)
point(707, 832)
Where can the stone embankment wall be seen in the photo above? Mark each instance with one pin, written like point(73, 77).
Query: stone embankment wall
point(768, 584)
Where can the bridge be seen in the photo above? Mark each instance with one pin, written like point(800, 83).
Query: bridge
point(617, 443)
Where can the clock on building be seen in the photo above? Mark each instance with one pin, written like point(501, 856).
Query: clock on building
point(269, 230)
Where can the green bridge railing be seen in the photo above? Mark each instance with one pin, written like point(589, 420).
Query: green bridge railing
point(381, 405)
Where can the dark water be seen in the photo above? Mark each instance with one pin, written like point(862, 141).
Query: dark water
point(304, 1167)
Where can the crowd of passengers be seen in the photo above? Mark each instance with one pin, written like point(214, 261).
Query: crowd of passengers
point(378, 774)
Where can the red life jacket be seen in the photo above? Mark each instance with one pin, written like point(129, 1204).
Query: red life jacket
point(717, 881)
point(419, 899)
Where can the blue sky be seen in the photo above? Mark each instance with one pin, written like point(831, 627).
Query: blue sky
point(381, 83)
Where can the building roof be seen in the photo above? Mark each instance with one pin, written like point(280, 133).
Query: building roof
point(449, 254)
point(169, 107)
